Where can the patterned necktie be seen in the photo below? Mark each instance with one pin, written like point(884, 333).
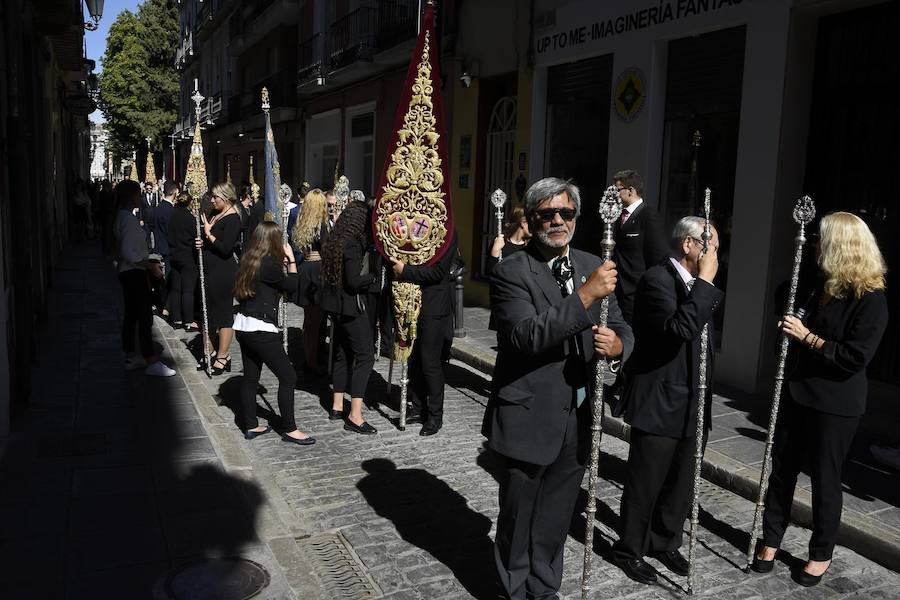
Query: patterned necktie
point(690, 284)
point(623, 217)
point(562, 271)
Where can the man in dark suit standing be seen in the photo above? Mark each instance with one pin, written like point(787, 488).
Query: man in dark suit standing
point(545, 302)
point(673, 302)
point(640, 240)
point(162, 214)
point(434, 334)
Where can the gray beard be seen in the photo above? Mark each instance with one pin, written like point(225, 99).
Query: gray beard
point(543, 237)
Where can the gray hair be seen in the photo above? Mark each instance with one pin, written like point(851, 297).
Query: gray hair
point(547, 188)
point(687, 227)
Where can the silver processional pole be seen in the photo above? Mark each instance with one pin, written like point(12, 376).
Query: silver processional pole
point(610, 209)
point(498, 199)
point(701, 415)
point(284, 196)
point(804, 212)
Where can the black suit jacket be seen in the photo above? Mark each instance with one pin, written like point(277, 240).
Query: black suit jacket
point(537, 372)
point(640, 244)
point(437, 291)
point(162, 216)
point(833, 380)
point(661, 392)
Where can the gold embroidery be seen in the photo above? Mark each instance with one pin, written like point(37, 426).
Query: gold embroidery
point(195, 179)
point(407, 304)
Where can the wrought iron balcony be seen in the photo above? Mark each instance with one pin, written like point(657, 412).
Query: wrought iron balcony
point(357, 36)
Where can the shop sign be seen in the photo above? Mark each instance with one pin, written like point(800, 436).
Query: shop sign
point(633, 19)
point(629, 94)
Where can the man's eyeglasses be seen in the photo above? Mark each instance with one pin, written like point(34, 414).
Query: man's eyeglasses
point(546, 214)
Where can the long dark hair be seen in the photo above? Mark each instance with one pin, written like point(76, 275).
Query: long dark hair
point(265, 241)
point(353, 224)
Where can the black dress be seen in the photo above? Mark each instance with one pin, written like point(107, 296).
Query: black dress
point(221, 270)
point(309, 292)
point(183, 280)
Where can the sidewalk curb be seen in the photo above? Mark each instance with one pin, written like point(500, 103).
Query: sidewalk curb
point(875, 541)
point(274, 515)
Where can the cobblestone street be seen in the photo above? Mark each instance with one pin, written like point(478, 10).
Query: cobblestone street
point(418, 512)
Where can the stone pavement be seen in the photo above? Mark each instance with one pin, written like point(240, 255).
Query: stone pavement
point(399, 516)
point(871, 518)
point(109, 483)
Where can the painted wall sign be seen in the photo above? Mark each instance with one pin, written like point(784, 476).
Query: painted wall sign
point(629, 94)
point(661, 12)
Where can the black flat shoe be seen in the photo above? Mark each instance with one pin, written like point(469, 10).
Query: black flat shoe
point(307, 441)
point(335, 415)
point(674, 561)
point(250, 434)
point(364, 429)
point(637, 570)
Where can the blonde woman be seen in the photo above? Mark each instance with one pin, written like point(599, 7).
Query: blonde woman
point(827, 389)
point(309, 235)
point(221, 234)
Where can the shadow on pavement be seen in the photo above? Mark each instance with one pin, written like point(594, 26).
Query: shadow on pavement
point(430, 514)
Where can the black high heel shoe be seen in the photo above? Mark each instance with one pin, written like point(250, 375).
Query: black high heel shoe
point(206, 360)
point(762, 566)
point(216, 370)
point(807, 579)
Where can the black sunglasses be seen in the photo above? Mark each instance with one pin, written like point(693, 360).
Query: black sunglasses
point(546, 214)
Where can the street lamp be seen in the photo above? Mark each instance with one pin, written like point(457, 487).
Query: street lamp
point(95, 9)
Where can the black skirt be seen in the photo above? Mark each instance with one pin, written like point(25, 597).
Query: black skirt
point(309, 287)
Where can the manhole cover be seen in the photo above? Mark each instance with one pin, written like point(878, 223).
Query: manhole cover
point(217, 579)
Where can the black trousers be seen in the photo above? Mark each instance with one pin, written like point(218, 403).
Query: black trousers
point(821, 439)
point(259, 348)
point(183, 277)
point(138, 311)
point(354, 354)
point(159, 288)
point(426, 366)
point(656, 500)
point(536, 506)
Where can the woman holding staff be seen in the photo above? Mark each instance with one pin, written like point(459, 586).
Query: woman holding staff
point(221, 234)
point(827, 388)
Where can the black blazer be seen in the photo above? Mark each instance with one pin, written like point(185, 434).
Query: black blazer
point(350, 298)
point(270, 281)
point(182, 233)
point(640, 244)
point(537, 372)
point(834, 380)
point(661, 390)
point(162, 216)
point(437, 291)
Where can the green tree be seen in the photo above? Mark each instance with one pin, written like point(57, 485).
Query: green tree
point(139, 83)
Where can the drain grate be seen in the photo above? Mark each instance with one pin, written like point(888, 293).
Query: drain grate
point(217, 579)
point(337, 567)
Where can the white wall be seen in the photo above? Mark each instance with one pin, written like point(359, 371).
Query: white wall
point(321, 129)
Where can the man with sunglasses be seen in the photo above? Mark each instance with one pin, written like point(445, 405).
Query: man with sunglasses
point(545, 302)
point(639, 236)
point(673, 301)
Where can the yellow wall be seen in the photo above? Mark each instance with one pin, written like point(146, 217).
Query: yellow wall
point(465, 122)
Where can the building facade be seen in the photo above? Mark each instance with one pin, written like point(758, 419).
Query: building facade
point(44, 148)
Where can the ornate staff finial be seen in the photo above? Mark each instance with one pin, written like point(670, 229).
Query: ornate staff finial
point(198, 99)
point(804, 211)
point(610, 205)
point(498, 198)
point(265, 99)
point(707, 233)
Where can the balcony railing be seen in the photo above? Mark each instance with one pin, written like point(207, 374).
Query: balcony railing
point(282, 94)
point(357, 36)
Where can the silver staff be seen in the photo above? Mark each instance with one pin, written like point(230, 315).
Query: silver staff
point(804, 212)
point(378, 318)
point(207, 343)
point(701, 415)
point(610, 209)
point(498, 199)
point(284, 196)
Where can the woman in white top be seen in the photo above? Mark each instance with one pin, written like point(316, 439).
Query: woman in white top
point(261, 278)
